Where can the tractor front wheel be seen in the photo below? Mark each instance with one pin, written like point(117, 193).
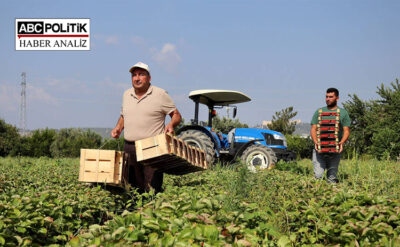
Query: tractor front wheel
point(201, 140)
point(259, 156)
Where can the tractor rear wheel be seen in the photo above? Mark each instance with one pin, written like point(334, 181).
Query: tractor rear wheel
point(259, 156)
point(201, 140)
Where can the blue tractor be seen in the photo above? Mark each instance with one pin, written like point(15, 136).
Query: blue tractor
point(256, 147)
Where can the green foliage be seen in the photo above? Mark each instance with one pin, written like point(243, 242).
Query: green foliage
point(375, 120)
point(386, 143)
point(301, 146)
point(9, 138)
point(42, 203)
point(360, 113)
point(225, 124)
point(281, 121)
point(68, 142)
point(40, 142)
point(113, 144)
point(231, 206)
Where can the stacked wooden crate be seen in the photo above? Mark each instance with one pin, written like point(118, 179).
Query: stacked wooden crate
point(328, 131)
point(170, 154)
point(102, 166)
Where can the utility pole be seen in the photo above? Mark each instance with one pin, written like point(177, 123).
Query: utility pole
point(22, 113)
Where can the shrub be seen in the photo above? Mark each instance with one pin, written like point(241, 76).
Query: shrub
point(385, 144)
point(9, 138)
point(113, 144)
point(68, 142)
point(301, 146)
point(40, 142)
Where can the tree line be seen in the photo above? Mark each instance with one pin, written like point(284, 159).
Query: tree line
point(374, 132)
point(51, 143)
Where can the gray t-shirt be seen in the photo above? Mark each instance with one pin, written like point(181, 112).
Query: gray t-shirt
point(145, 117)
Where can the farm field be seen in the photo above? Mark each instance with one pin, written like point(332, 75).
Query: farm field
point(42, 203)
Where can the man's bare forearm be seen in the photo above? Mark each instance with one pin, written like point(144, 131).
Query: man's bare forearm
point(314, 133)
point(116, 132)
point(176, 118)
point(346, 134)
point(120, 123)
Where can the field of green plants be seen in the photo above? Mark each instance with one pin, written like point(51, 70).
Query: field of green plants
point(42, 203)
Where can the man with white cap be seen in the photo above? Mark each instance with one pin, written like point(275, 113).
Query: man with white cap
point(144, 108)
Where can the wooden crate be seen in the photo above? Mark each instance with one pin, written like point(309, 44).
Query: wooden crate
point(102, 166)
point(328, 131)
point(170, 154)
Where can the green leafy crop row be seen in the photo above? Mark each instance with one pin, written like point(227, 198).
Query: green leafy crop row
point(42, 203)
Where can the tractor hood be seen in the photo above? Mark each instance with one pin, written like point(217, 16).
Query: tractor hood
point(275, 139)
point(218, 97)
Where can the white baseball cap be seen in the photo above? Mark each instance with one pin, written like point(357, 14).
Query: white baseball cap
point(140, 65)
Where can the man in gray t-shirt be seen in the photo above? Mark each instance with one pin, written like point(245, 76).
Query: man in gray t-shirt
point(144, 109)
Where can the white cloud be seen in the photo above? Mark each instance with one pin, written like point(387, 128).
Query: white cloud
point(39, 94)
point(137, 40)
point(168, 57)
point(9, 97)
point(108, 39)
point(116, 87)
point(65, 85)
point(112, 40)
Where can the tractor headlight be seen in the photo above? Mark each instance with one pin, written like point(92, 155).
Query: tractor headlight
point(281, 137)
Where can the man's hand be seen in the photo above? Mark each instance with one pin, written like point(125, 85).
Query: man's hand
point(169, 129)
point(316, 147)
point(116, 132)
point(340, 147)
point(175, 120)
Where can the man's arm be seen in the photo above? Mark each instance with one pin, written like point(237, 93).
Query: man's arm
point(118, 128)
point(314, 135)
point(346, 134)
point(175, 120)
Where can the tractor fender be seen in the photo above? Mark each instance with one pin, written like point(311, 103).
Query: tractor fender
point(242, 148)
point(216, 142)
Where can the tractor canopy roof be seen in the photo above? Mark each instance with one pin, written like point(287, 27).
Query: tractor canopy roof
point(218, 97)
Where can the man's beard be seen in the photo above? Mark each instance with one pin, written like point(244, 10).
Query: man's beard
point(333, 104)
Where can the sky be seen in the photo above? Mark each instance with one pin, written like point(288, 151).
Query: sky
point(280, 53)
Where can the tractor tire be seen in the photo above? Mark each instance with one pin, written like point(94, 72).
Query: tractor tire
point(201, 140)
point(259, 157)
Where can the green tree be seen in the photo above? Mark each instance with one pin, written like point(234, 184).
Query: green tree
point(225, 124)
point(68, 142)
point(9, 138)
point(375, 123)
point(360, 113)
point(281, 121)
point(386, 123)
point(40, 142)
